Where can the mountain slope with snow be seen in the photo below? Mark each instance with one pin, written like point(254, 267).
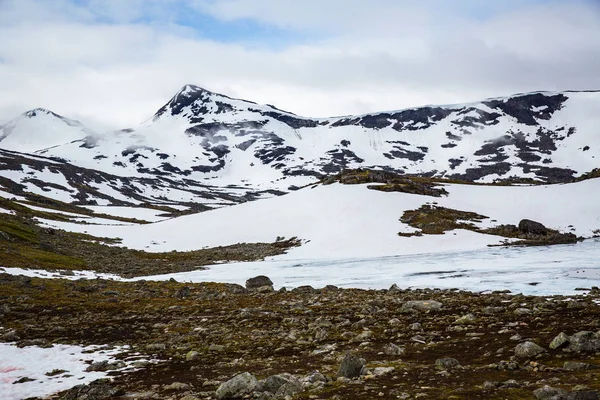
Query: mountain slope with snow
point(39, 129)
point(204, 138)
point(344, 221)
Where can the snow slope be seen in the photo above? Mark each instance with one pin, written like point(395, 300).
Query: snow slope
point(344, 221)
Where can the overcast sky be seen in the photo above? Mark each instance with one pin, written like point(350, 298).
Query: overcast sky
point(113, 63)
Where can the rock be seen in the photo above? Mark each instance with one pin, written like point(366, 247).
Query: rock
point(577, 366)
point(10, 337)
point(583, 395)
point(561, 340)
point(351, 366)
point(548, 392)
point(446, 363)
point(156, 347)
point(237, 387)
point(105, 366)
point(192, 356)
point(533, 227)
point(178, 386)
point(468, 319)
point(415, 327)
point(259, 283)
point(381, 371)
point(289, 389)
point(97, 390)
point(421, 305)
point(316, 377)
point(522, 311)
point(394, 289)
point(216, 348)
point(274, 382)
point(528, 350)
point(584, 341)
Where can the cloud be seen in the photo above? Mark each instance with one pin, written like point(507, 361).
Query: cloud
point(112, 63)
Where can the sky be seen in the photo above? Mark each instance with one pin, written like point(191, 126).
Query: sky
point(112, 63)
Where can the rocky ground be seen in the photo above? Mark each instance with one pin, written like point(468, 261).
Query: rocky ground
point(221, 341)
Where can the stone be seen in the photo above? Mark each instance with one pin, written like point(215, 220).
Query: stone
point(394, 289)
point(258, 282)
point(577, 366)
point(274, 382)
point(178, 386)
point(528, 350)
point(560, 341)
point(237, 387)
point(351, 366)
point(584, 341)
point(381, 371)
point(583, 395)
point(421, 305)
point(548, 392)
point(447, 363)
point(192, 356)
point(98, 390)
point(468, 319)
point(532, 227)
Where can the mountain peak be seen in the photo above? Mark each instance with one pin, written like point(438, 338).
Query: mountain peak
point(40, 111)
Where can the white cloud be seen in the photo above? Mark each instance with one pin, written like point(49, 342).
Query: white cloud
point(101, 63)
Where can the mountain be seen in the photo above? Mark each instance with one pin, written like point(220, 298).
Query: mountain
point(243, 148)
point(39, 129)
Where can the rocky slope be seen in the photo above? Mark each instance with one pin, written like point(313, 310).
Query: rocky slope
point(204, 138)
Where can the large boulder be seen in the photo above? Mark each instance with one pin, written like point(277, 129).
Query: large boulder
point(584, 341)
point(237, 387)
point(528, 350)
point(259, 283)
point(351, 366)
point(532, 227)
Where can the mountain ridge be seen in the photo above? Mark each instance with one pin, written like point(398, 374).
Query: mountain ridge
point(203, 136)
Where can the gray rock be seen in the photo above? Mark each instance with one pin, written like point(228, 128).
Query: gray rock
point(577, 366)
point(447, 363)
point(394, 289)
point(421, 305)
point(583, 395)
point(289, 389)
point(528, 350)
point(178, 386)
point(98, 390)
point(237, 387)
point(274, 382)
point(561, 340)
point(351, 366)
point(259, 282)
point(584, 341)
point(468, 319)
point(533, 227)
point(548, 392)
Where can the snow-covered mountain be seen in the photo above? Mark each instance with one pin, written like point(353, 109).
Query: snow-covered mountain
point(204, 138)
point(39, 129)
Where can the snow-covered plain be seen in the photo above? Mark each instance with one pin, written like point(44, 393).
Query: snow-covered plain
point(34, 362)
point(547, 270)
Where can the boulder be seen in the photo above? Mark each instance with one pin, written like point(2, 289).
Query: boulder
point(447, 363)
point(583, 342)
point(237, 387)
point(561, 340)
point(528, 350)
point(532, 227)
point(259, 283)
point(351, 366)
